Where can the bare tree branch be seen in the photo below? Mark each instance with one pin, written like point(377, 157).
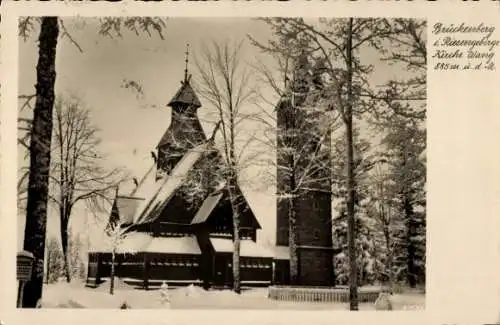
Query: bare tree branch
point(65, 33)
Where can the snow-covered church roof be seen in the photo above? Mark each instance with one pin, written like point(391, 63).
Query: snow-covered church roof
point(168, 197)
point(160, 194)
point(138, 242)
point(146, 202)
point(185, 95)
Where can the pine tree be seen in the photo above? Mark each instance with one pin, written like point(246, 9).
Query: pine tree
point(400, 115)
point(406, 143)
point(55, 261)
point(366, 241)
point(76, 264)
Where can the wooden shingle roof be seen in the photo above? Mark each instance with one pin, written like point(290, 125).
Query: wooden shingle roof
point(185, 95)
point(163, 190)
point(185, 132)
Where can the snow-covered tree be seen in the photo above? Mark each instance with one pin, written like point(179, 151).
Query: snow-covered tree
point(76, 256)
point(224, 83)
point(339, 42)
point(115, 234)
point(50, 30)
point(55, 261)
point(76, 172)
point(298, 129)
point(346, 86)
point(366, 244)
point(400, 115)
point(406, 143)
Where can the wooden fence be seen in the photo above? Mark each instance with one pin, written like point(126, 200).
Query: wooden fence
point(321, 294)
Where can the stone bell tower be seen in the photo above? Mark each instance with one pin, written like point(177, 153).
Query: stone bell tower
point(311, 204)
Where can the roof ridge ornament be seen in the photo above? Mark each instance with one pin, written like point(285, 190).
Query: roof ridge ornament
point(186, 76)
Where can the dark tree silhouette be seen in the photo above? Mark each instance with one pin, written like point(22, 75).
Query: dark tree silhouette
point(41, 131)
point(38, 179)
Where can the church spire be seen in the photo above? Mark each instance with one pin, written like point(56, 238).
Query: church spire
point(187, 62)
point(185, 96)
point(185, 130)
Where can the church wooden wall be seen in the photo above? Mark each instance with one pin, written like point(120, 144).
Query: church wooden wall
point(179, 269)
point(159, 266)
point(281, 272)
point(253, 270)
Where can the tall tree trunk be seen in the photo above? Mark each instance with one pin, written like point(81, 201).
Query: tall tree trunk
point(388, 244)
point(41, 136)
point(233, 195)
point(385, 219)
point(112, 275)
point(66, 258)
point(236, 256)
point(351, 190)
point(410, 244)
point(236, 235)
point(292, 142)
point(64, 244)
point(292, 242)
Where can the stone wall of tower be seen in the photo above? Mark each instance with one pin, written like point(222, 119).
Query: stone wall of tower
point(282, 227)
point(313, 207)
point(314, 238)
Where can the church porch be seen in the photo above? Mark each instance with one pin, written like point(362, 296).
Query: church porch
point(256, 263)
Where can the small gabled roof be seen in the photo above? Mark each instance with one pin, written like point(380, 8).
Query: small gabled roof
point(143, 187)
point(185, 95)
point(250, 220)
point(127, 206)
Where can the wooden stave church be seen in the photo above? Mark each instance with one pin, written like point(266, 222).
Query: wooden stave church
point(169, 242)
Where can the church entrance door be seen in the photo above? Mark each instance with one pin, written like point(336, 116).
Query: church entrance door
point(222, 270)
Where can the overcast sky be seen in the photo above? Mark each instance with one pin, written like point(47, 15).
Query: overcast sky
point(130, 125)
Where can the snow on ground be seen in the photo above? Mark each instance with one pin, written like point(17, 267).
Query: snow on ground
point(76, 295)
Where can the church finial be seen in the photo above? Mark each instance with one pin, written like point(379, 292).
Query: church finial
point(187, 61)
